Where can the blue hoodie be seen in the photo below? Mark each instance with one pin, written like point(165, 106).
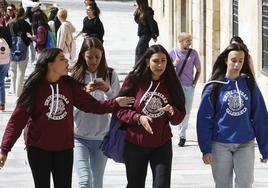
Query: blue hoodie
point(240, 116)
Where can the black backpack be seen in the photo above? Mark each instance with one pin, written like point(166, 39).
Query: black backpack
point(155, 32)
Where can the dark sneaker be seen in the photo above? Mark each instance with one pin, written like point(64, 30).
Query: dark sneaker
point(182, 142)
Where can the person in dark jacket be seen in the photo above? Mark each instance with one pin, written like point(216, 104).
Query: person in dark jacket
point(45, 111)
point(92, 25)
point(143, 16)
point(18, 68)
point(158, 102)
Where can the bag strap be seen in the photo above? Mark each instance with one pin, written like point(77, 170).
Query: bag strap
point(184, 62)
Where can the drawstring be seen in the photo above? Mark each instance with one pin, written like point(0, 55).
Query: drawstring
point(147, 102)
point(238, 91)
point(52, 100)
point(217, 81)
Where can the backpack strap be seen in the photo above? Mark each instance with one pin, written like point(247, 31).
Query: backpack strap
point(185, 61)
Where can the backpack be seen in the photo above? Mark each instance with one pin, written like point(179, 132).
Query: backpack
point(114, 141)
point(155, 32)
point(18, 51)
point(51, 40)
point(4, 52)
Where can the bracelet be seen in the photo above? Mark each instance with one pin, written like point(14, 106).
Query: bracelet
point(138, 119)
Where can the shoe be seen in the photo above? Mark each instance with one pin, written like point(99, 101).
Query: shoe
point(182, 142)
point(2, 107)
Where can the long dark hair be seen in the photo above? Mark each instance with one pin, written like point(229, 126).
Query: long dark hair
point(95, 8)
point(28, 97)
point(79, 69)
point(139, 13)
point(143, 72)
point(220, 68)
point(39, 18)
point(20, 15)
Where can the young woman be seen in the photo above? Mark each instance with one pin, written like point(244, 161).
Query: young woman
point(92, 25)
point(158, 102)
point(46, 107)
point(231, 114)
point(53, 21)
point(237, 39)
point(143, 16)
point(90, 129)
point(17, 68)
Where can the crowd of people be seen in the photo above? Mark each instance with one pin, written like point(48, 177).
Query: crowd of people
point(72, 95)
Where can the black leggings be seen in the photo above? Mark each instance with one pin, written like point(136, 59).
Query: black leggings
point(142, 46)
point(43, 163)
point(137, 159)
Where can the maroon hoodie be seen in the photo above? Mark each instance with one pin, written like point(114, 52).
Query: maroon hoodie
point(50, 126)
point(150, 96)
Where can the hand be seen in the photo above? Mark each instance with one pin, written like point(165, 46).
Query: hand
point(155, 40)
point(29, 35)
point(176, 62)
point(103, 86)
point(207, 158)
point(167, 108)
point(90, 87)
point(3, 159)
point(144, 120)
point(263, 160)
point(125, 101)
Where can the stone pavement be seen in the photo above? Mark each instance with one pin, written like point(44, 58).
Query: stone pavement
point(120, 40)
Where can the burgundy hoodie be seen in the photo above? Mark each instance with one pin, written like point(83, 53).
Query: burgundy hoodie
point(50, 127)
point(150, 96)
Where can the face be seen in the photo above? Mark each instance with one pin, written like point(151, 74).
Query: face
point(90, 12)
point(158, 63)
point(60, 66)
point(235, 61)
point(186, 43)
point(93, 58)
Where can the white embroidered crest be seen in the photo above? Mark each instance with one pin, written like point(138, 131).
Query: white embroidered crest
point(236, 103)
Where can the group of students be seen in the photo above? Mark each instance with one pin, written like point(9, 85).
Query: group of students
point(231, 114)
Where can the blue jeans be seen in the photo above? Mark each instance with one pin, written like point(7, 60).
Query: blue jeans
point(229, 159)
point(3, 72)
point(189, 96)
point(89, 163)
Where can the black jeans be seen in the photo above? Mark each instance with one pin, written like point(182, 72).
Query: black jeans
point(142, 46)
point(43, 163)
point(137, 159)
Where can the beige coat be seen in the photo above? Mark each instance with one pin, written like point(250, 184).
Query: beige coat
point(65, 36)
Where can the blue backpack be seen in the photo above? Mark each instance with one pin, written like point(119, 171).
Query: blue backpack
point(114, 142)
point(51, 40)
point(18, 51)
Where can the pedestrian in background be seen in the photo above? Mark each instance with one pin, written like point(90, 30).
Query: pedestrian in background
point(91, 69)
point(65, 40)
point(17, 68)
point(237, 39)
point(186, 61)
point(92, 25)
point(231, 114)
point(5, 45)
point(45, 111)
point(143, 16)
point(158, 102)
point(53, 21)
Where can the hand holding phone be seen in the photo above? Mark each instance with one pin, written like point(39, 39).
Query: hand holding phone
point(96, 80)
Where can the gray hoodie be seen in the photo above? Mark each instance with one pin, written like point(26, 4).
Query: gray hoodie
point(92, 126)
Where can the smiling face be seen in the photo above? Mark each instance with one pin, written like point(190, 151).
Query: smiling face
point(158, 63)
point(234, 62)
point(93, 59)
point(59, 67)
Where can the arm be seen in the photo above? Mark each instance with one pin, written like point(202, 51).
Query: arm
point(149, 20)
point(61, 38)
point(16, 123)
point(41, 35)
point(197, 73)
point(259, 119)
point(205, 121)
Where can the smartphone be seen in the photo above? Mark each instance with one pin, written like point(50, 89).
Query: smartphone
point(96, 80)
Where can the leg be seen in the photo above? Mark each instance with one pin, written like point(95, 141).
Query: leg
point(244, 165)
point(161, 159)
point(13, 76)
point(62, 168)
point(98, 162)
point(136, 162)
point(41, 163)
point(3, 72)
point(189, 95)
point(222, 165)
point(20, 76)
point(142, 46)
point(81, 161)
